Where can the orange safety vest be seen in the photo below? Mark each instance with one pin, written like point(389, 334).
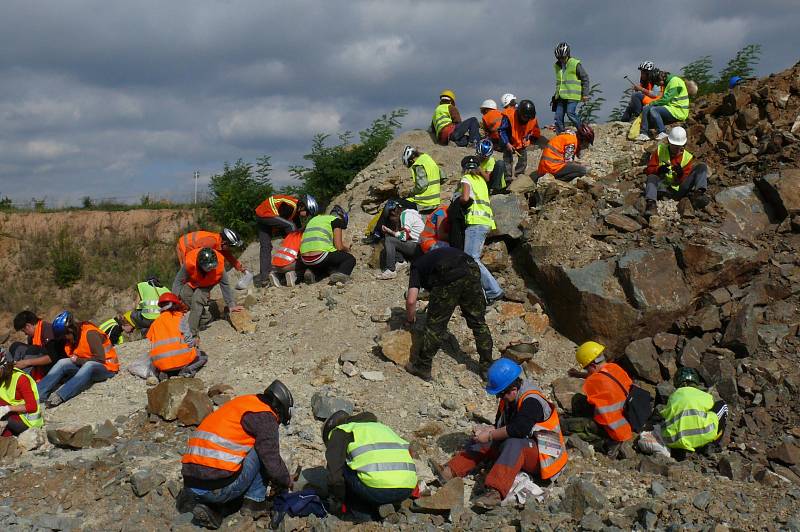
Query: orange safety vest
point(82, 350)
point(559, 151)
point(608, 400)
point(429, 236)
point(220, 441)
point(36, 339)
point(647, 99)
point(287, 253)
point(520, 131)
point(168, 351)
point(197, 278)
point(197, 240)
point(549, 439)
point(491, 123)
point(269, 207)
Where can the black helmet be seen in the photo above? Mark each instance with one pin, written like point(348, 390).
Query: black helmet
point(526, 110)
point(280, 399)
point(562, 50)
point(687, 377)
point(333, 421)
point(470, 162)
point(207, 259)
point(154, 281)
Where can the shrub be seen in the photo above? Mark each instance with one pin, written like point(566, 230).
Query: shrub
point(588, 110)
point(65, 259)
point(237, 191)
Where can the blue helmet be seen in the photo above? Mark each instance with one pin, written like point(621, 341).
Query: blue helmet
point(484, 148)
point(735, 80)
point(337, 210)
point(390, 205)
point(502, 374)
point(61, 322)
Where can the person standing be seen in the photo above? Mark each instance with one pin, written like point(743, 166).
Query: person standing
point(524, 132)
point(572, 86)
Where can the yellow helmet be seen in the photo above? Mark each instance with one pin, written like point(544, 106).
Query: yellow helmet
point(128, 318)
point(587, 352)
point(448, 93)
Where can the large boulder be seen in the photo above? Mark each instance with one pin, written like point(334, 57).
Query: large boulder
point(642, 357)
point(782, 191)
point(653, 281)
point(165, 399)
point(510, 210)
point(745, 213)
point(397, 346)
point(717, 264)
point(741, 334)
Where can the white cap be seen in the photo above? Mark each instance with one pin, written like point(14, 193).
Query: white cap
point(506, 99)
point(677, 136)
point(489, 104)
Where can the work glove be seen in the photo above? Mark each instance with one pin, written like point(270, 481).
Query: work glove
point(663, 169)
point(677, 170)
point(4, 410)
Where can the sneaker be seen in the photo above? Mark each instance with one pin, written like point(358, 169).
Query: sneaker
point(385, 275)
point(254, 509)
point(274, 280)
point(291, 279)
point(651, 209)
point(53, 401)
point(337, 277)
point(424, 375)
point(661, 136)
point(206, 517)
point(309, 277)
point(642, 138)
point(489, 500)
point(185, 501)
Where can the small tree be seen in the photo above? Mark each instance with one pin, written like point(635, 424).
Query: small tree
point(87, 202)
point(699, 71)
point(6, 204)
point(65, 259)
point(742, 64)
point(588, 110)
point(617, 112)
point(236, 192)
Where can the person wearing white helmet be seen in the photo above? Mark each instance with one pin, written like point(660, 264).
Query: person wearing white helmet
point(673, 106)
point(508, 100)
point(646, 92)
point(673, 171)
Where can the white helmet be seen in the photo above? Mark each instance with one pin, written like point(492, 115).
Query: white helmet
point(677, 136)
point(489, 104)
point(408, 153)
point(230, 236)
point(647, 66)
point(507, 98)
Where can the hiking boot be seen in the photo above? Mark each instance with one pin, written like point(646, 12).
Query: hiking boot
point(642, 137)
point(489, 500)
point(274, 280)
point(309, 277)
point(424, 375)
point(651, 209)
point(662, 136)
point(385, 275)
point(442, 471)
point(254, 509)
point(185, 501)
point(337, 277)
point(206, 517)
point(291, 279)
point(699, 199)
point(53, 401)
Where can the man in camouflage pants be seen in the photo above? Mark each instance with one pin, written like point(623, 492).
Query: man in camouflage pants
point(454, 279)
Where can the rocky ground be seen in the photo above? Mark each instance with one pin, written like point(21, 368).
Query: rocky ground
point(715, 289)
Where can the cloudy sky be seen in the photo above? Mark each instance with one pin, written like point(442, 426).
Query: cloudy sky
point(118, 99)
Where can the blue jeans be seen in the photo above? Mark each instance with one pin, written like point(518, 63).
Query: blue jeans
point(568, 106)
point(249, 484)
point(660, 115)
point(79, 378)
point(474, 237)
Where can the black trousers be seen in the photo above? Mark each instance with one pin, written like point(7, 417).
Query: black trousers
point(335, 261)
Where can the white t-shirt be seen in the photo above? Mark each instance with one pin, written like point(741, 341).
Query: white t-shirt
point(412, 224)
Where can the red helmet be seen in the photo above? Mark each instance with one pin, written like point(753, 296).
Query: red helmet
point(167, 300)
point(586, 133)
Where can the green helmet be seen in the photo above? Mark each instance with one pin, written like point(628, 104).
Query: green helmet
point(687, 377)
point(207, 259)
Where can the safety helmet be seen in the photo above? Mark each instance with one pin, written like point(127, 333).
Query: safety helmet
point(526, 110)
point(280, 399)
point(587, 352)
point(687, 377)
point(207, 259)
point(447, 93)
point(333, 421)
point(62, 322)
point(168, 300)
point(489, 104)
point(470, 162)
point(484, 148)
point(230, 236)
point(309, 204)
point(337, 210)
point(391, 205)
point(408, 154)
point(502, 374)
point(647, 66)
point(677, 136)
point(562, 50)
point(127, 317)
point(507, 98)
point(735, 80)
point(586, 133)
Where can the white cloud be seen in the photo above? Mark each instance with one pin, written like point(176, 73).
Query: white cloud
point(376, 59)
point(49, 149)
point(288, 119)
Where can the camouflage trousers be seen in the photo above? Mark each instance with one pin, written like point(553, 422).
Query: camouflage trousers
point(467, 294)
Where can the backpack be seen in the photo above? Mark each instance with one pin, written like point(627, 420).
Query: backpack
point(296, 504)
point(638, 404)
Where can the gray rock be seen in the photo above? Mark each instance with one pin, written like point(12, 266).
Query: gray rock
point(58, 522)
point(642, 356)
point(165, 399)
point(592, 521)
point(450, 404)
point(746, 214)
point(71, 436)
point(782, 191)
point(741, 335)
point(584, 448)
point(510, 210)
point(581, 495)
point(657, 489)
point(374, 376)
point(701, 500)
point(323, 405)
point(143, 482)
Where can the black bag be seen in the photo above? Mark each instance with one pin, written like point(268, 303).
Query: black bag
point(638, 404)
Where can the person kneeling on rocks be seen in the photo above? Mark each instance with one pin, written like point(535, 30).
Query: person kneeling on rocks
point(692, 419)
point(323, 251)
point(19, 399)
point(234, 454)
point(526, 436)
point(173, 347)
point(369, 465)
point(401, 234)
point(673, 171)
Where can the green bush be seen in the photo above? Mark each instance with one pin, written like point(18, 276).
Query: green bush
point(65, 259)
point(237, 191)
point(742, 64)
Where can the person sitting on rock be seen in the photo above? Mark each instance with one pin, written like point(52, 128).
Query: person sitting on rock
point(558, 157)
point(38, 355)
point(19, 399)
point(234, 455)
point(526, 436)
point(673, 171)
point(203, 270)
point(117, 327)
point(449, 127)
point(173, 347)
point(436, 233)
point(644, 93)
point(493, 171)
point(400, 235)
point(692, 419)
point(90, 358)
point(368, 464)
point(454, 280)
point(323, 251)
point(673, 106)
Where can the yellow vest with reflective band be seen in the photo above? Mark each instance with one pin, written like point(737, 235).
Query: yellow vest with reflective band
point(480, 212)
point(149, 294)
point(430, 196)
point(106, 327)
point(379, 456)
point(689, 422)
point(678, 106)
point(664, 158)
point(441, 117)
point(568, 86)
point(8, 393)
point(318, 235)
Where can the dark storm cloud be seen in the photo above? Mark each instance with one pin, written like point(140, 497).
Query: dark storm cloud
point(121, 99)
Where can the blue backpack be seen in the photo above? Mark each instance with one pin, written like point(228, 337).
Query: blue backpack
point(297, 504)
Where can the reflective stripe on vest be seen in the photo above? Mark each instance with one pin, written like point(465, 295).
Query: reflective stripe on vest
point(379, 456)
point(109, 324)
point(270, 207)
point(665, 158)
point(430, 196)
point(168, 350)
point(568, 86)
point(318, 235)
point(608, 400)
point(197, 278)
point(149, 295)
point(441, 117)
point(557, 153)
point(678, 106)
point(689, 422)
point(9, 393)
point(195, 240)
point(289, 250)
point(82, 350)
point(480, 212)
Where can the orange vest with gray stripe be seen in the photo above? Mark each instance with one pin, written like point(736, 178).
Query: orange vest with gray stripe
point(287, 253)
point(83, 350)
point(549, 439)
point(608, 400)
point(220, 441)
point(559, 151)
point(168, 351)
point(197, 240)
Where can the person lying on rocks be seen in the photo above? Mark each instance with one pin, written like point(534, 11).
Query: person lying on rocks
point(369, 465)
point(401, 234)
point(674, 173)
point(173, 348)
point(234, 455)
point(692, 419)
point(19, 399)
point(526, 437)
